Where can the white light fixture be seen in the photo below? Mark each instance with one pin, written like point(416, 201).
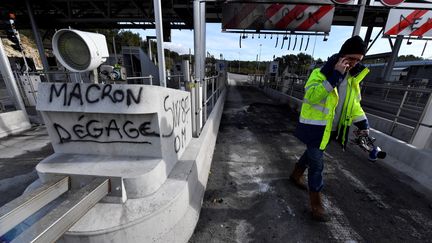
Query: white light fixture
point(79, 51)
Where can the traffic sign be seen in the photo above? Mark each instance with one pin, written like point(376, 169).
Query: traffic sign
point(417, 4)
point(299, 17)
point(343, 1)
point(409, 22)
point(392, 3)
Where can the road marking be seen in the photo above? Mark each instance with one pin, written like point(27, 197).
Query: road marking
point(418, 217)
point(357, 183)
point(339, 225)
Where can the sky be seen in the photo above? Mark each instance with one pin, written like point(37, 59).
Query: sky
point(227, 44)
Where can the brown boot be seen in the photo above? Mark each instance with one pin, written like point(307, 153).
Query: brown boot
point(297, 177)
point(318, 212)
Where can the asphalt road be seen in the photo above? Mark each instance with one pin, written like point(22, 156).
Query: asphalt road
point(250, 199)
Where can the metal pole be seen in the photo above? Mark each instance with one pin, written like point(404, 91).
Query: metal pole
point(395, 52)
point(203, 37)
point(38, 39)
point(359, 19)
point(160, 45)
point(213, 92)
point(149, 49)
point(204, 91)
point(114, 47)
point(195, 91)
point(131, 61)
point(368, 35)
point(10, 81)
point(203, 86)
point(398, 113)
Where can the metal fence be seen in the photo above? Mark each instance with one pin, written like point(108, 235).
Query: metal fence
point(212, 89)
point(403, 107)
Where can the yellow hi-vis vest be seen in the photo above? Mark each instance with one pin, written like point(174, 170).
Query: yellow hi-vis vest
point(320, 101)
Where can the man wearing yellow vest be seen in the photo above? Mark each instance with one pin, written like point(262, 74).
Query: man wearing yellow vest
point(330, 106)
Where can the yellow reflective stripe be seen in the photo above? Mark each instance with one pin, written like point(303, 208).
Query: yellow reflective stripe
point(323, 101)
point(313, 122)
point(328, 86)
point(317, 107)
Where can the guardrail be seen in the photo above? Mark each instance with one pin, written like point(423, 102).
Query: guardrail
point(58, 220)
point(404, 106)
point(213, 85)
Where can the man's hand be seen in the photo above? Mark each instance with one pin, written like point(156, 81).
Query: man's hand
point(342, 65)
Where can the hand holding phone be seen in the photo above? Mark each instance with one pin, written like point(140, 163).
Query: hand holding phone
point(342, 65)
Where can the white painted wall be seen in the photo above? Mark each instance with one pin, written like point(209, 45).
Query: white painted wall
point(133, 132)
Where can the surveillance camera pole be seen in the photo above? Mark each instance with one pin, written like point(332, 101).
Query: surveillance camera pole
point(161, 53)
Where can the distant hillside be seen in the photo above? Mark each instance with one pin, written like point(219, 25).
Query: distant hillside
point(29, 47)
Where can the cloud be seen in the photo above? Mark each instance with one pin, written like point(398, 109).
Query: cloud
point(227, 44)
point(177, 47)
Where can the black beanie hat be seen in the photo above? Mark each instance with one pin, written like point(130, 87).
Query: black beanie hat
point(354, 45)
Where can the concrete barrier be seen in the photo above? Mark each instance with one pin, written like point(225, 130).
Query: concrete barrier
point(132, 134)
point(168, 215)
point(406, 158)
point(13, 122)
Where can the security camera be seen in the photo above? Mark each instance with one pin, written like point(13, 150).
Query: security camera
point(79, 51)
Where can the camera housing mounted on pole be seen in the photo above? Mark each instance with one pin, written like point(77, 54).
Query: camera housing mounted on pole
point(80, 51)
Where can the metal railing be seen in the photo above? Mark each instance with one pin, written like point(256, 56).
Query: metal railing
point(403, 106)
point(142, 79)
point(213, 85)
point(57, 221)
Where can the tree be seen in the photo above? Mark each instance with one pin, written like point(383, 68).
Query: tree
point(403, 58)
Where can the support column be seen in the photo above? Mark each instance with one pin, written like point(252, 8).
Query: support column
point(203, 38)
point(422, 137)
point(10, 81)
point(38, 39)
point(391, 62)
point(359, 20)
point(368, 35)
point(203, 55)
point(196, 92)
point(160, 43)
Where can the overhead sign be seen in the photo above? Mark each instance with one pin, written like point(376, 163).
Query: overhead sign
point(409, 22)
point(345, 1)
point(300, 17)
point(425, 4)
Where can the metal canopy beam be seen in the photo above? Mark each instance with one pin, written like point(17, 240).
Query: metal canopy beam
point(64, 13)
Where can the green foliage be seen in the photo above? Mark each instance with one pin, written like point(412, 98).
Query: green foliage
point(408, 58)
point(128, 38)
point(298, 64)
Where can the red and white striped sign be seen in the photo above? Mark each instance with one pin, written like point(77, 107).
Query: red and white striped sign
point(412, 22)
point(301, 17)
point(425, 4)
